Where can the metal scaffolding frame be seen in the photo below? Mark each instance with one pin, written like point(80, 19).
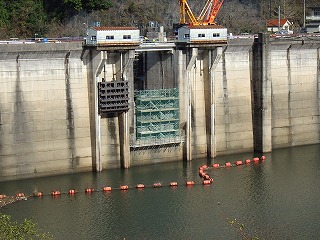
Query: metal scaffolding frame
point(157, 118)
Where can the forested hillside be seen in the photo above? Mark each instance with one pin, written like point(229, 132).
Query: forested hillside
point(61, 18)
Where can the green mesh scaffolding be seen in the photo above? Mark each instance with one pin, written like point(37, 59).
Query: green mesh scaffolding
point(157, 114)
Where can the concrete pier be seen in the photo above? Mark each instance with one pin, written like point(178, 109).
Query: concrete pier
point(261, 85)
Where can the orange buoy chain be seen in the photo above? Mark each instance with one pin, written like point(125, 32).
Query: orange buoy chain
point(238, 163)
point(205, 176)
point(72, 192)
point(206, 180)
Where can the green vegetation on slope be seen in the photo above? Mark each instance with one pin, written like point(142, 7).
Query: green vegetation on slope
point(10, 230)
point(70, 18)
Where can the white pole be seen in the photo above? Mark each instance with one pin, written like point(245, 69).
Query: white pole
point(304, 13)
point(279, 19)
point(121, 71)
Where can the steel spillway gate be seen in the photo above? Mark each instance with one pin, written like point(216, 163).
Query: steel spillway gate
point(113, 96)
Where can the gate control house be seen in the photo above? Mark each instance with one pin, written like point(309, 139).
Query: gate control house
point(113, 36)
point(202, 34)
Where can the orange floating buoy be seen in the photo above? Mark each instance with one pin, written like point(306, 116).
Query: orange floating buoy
point(20, 195)
point(124, 187)
point(173, 184)
point(55, 193)
point(207, 177)
point(140, 185)
point(204, 166)
point(39, 194)
point(157, 185)
point(72, 191)
point(106, 189)
point(190, 183)
point(238, 163)
point(228, 164)
point(256, 159)
point(89, 190)
point(247, 161)
point(263, 158)
point(216, 165)
point(206, 182)
point(2, 196)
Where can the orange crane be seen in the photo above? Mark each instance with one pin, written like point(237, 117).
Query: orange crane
point(206, 16)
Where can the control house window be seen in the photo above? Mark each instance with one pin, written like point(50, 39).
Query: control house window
point(201, 35)
point(93, 38)
point(187, 35)
point(316, 12)
point(216, 35)
point(126, 36)
point(109, 37)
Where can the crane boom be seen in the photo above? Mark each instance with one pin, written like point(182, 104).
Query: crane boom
point(205, 10)
point(215, 7)
point(186, 10)
point(207, 15)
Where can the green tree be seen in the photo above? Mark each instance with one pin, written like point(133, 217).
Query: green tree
point(97, 4)
point(10, 230)
point(4, 19)
point(88, 5)
point(54, 18)
point(4, 15)
point(240, 18)
point(74, 4)
point(27, 17)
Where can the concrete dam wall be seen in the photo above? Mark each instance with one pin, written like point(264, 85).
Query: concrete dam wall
point(243, 97)
point(295, 79)
point(44, 117)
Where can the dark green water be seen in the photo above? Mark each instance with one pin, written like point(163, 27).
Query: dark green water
point(275, 199)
